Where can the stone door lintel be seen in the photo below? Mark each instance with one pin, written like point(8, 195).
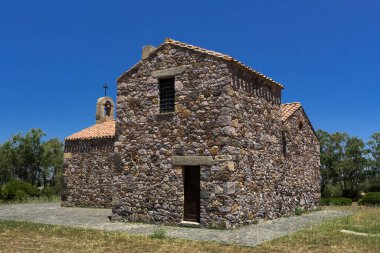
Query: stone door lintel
point(192, 160)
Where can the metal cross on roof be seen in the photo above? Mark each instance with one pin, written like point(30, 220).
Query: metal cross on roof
point(105, 86)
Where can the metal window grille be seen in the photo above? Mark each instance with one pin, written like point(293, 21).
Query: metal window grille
point(167, 94)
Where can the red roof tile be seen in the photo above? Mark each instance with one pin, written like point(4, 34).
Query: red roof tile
point(288, 109)
point(102, 130)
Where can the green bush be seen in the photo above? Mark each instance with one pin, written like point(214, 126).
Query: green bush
point(20, 195)
point(326, 193)
point(374, 188)
point(335, 202)
point(18, 190)
point(370, 199)
point(298, 210)
point(48, 192)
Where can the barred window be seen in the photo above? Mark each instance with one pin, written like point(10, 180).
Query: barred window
point(167, 94)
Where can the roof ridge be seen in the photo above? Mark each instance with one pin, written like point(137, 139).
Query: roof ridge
point(209, 52)
point(291, 103)
point(176, 42)
point(220, 55)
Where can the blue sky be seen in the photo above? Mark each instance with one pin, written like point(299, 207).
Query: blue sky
point(55, 55)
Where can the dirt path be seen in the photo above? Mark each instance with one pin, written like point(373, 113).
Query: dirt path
point(53, 213)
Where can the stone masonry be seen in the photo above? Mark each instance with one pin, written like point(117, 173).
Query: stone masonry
point(88, 173)
point(226, 114)
point(89, 161)
point(258, 158)
point(302, 151)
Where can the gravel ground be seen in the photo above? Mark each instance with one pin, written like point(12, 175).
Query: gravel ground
point(53, 213)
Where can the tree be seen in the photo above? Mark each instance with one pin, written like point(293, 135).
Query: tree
point(326, 157)
point(31, 159)
point(31, 151)
point(332, 152)
point(343, 161)
point(373, 172)
point(354, 164)
point(10, 162)
point(52, 162)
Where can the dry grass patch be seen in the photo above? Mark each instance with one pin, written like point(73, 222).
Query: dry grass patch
point(326, 237)
point(30, 237)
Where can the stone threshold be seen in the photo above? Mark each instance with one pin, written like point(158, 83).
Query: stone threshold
point(190, 224)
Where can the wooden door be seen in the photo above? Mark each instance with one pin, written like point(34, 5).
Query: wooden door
point(192, 193)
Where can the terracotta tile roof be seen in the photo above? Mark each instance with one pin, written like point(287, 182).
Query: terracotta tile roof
point(209, 52)
point(102, 130)
point(288, 109)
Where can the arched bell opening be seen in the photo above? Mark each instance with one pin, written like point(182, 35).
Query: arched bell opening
point(105, 108)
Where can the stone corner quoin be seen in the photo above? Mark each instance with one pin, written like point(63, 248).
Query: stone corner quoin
point(224, 157)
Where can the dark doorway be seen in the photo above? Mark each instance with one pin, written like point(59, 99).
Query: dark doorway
point(192, 193)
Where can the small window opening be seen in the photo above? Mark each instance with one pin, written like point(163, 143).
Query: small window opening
point(167, 94)
point(300, 125)
point(284, 146)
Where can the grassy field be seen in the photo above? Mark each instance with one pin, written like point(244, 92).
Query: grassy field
point(326, 237)
point(36, 200)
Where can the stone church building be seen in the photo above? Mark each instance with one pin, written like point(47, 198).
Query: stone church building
point(198, 138)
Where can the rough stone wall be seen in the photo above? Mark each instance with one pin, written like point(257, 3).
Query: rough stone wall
point(150, 188)
point(88, 172)
point(302, 175)
point(254, 165)
point(263, 181)
point(220, 111)
point(260, 180)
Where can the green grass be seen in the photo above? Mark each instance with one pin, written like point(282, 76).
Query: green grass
point(34, 200)
point(325, 237)
point(158, 234)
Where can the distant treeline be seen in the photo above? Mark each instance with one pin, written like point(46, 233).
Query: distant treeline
point(348, 164)
point(30, 159)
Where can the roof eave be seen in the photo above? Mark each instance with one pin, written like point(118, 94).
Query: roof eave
point(88, 138)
